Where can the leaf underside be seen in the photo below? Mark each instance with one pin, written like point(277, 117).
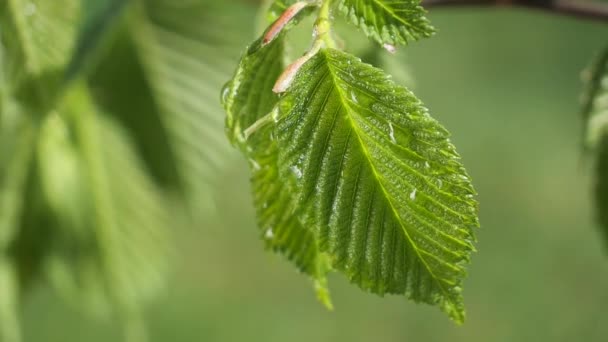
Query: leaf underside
point(186, 65)
point(377, 181)
point(388, 21)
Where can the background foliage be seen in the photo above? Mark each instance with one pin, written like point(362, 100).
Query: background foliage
point(540, 272)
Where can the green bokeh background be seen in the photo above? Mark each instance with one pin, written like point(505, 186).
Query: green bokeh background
point(506, 84)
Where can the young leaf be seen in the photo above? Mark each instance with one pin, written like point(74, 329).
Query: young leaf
point(248, 98)
point(380, 183)
point(595, 101)
point(388, 21)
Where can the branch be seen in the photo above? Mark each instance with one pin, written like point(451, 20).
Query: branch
point(581, 9)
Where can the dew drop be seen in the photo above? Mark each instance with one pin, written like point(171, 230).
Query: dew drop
point(353, 97)
point(225, 92)
point(439, 183)
point(413, 195)
point(254, 165)
point(296, 171)
point(275, 114)
point(269, 234)
point(390, 48)
point(391, 133)
point(427, 165)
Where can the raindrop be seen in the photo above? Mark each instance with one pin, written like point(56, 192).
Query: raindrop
point(413, 195)
point(439, 183)
point(269, 234)
point(275, 114)
point(427, 165)
point(390, 48)
point(254, 165)
point(353, 97)
point(391, 133)
point(225, 92)
point(296, 171)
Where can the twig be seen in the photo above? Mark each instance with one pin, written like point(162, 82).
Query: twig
point(580, 9)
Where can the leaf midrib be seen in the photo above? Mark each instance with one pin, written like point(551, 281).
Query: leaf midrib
point(366, 153)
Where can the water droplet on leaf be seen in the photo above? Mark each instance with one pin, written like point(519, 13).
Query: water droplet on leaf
point(353, 97)
point(225, 92)
point(391, 133)
point(296, 171)
point(269, 234)
point(254, 165)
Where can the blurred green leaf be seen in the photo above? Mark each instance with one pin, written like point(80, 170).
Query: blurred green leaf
point(595, 101)
point(110, 244)
point(99, 19)
point(595, 115)
point(39, 34)
point(187, 49)
point(379, 182)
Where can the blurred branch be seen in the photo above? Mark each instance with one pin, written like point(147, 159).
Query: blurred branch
point(581, 9)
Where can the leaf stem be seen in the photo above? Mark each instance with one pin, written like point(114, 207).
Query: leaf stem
point(322, 28)
point(261, 122)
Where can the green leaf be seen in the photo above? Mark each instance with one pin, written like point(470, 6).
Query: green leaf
point(278, 218)
point(595, 115)
point(38, 34)
point(119, 85)
point(188, 50)
point(16, 154)
point(17, 140)
point(9, 292)
point(100, 18)
point(110, 243)
point(248, 96)
point(248, 100)
point(595, 101)
point(380, 184)
point(601, 185)
point(388, 21)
